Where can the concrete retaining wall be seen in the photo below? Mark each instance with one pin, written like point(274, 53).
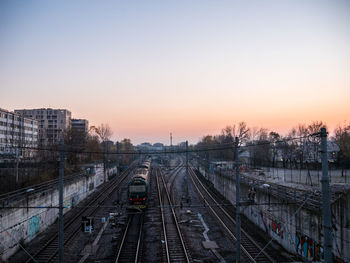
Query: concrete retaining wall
point(298, 230)
point(23, 224)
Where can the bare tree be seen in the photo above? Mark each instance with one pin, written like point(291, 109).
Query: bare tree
point(315, 141)
point(104, 133)
point(126, 146)
point(260, 146)
point(316, 126)
point(75, 140)
point(241, 131)
point(342, 138)
point(303, 149)
point(253, 134)
point(274, 137)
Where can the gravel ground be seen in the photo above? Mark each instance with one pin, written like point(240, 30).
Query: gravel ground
point(188, 211)
point(193, 227)
point(108, 243)
point(152, 241)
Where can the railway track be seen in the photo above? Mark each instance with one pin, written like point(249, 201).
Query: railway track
point(251, 250)
point(129, 248)
point(171, 179)
point(175, 247)
point(48, 251)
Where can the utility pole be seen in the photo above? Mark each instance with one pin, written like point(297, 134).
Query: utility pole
point(104, 161)
point(187, 171)
point(238, 215)
point(171, 144)
point(117, 158)
point(326, 204)
point(17, 164)
point(60, 217)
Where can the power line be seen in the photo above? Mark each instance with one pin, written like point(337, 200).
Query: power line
point(224, 146)
point(244, 203)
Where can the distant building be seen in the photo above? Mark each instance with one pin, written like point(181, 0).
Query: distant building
point(145, 146)
point(52, 123)
point(158, 146)
point(18, 135)
point(80, 125)
point(148, 147)
point(182, 144)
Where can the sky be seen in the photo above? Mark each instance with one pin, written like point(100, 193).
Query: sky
point(148, 68)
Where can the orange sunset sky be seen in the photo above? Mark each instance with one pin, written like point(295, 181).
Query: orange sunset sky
point(186, 67)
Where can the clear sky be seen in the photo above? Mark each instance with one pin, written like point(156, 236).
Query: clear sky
point(148, 68)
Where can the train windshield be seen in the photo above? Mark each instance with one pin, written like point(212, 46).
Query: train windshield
point(137, 188)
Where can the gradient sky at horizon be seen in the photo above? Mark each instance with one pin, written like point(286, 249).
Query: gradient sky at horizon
point(148, 68)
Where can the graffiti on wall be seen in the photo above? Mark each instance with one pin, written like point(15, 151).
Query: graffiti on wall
point(276, 228)
point(264, 217)
point(270, 224)
point(307, 248)
point(12, 236)
point(67, 202)
point(34, 225)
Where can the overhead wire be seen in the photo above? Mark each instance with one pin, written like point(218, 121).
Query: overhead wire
point(223, 146)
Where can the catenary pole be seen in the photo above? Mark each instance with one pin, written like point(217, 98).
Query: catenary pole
point(238, 216)
point(17, 164)
point(187, 194)
point(117, 158)
point(171, 144)
point(171, 140)
point(60, 219)
point(104, 161)
point(326, 204)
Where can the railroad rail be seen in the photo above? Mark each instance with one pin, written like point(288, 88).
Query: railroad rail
point(172, 176)
point(175, 248)
point(129, 248)
point(249, 247)
point(48, 251)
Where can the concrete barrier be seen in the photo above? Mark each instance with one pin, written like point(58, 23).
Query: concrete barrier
point(33, 213)
point(298, 230)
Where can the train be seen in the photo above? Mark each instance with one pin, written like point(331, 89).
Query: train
point(138, 186)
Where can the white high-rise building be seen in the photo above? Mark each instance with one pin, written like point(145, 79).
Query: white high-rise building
point(80, 125)
point(52, 123)
point(18, 135)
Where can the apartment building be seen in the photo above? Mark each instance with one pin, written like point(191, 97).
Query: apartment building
point(18, 135)
point(52, 123)
point(80, 125)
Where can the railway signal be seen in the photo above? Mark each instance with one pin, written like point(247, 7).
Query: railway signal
point(87, 224)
